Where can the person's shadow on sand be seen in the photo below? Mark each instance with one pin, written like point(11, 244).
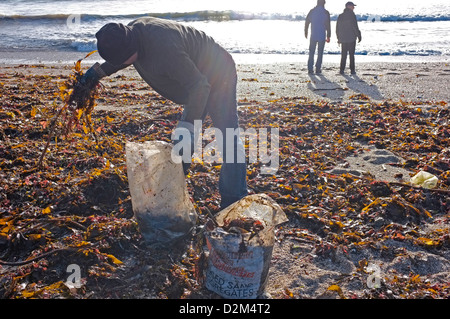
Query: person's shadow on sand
point(359, 86)
point(322, 86)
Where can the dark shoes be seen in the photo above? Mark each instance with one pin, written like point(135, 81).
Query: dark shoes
point(320, 72)
point(342, 72)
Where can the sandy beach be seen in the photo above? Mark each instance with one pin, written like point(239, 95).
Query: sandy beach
point(418, 80)
point(377, 80)
point(343, 183)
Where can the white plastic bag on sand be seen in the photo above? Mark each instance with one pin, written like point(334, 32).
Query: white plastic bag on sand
point(424, 179)
point(159, 195)
point(239, 257)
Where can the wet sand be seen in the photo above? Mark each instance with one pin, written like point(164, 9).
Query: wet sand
point(425, 81)
point(412, 80)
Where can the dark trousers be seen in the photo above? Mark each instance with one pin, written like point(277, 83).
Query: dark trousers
point(222, 108)
point(348, 49)
point(312, 51)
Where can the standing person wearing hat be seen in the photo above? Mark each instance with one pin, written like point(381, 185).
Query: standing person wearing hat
point(188, 67)
point(319, 19)
point(347, 31)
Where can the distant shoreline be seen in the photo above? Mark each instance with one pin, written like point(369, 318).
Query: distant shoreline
point(68, 57)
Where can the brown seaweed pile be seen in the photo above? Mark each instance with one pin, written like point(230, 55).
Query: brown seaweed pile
point(76, 210)
point(78, 103)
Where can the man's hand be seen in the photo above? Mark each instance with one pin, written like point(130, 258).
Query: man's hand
point(85, 85)
point(306, 34)
point(328, 40)
point(90, 78)
point(359, 39)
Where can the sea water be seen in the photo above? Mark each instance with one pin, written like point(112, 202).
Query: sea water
point(408, 28)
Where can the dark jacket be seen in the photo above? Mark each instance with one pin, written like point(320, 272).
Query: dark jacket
point(177, 61)
point(347, 27)
point(319, 18)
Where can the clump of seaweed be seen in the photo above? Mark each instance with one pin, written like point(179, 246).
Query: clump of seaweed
point(77, 108)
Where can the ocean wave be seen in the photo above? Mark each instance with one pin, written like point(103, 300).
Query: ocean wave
point(84, 46)
point(394, 52)
point(62, 17)
point(229, 15)
point(90, 45)
point(403, 18)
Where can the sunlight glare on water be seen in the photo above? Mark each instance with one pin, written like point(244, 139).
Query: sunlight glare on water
point(115, 7)
point(401, 27)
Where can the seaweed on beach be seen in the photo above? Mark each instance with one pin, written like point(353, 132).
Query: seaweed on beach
point(77, 210)
point(76, 109)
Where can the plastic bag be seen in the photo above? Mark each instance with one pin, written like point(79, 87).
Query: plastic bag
point(424, 179)
point(240, 247)
point(159, 195)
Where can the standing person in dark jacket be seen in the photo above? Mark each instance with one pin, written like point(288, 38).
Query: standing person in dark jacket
point(188, 67)
point(347, 32)
point(319, 19)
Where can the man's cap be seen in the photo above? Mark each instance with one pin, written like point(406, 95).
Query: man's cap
point(350, 4)
point(116, 43)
